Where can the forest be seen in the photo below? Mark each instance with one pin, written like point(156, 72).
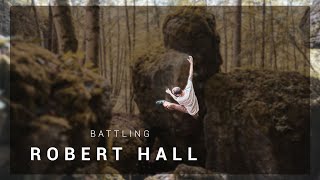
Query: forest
point(266, 38)
point(100, 66)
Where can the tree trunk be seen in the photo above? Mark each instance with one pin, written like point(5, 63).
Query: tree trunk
point(157, 13)
point(102, 47)
point(110, 48)
point(129, 105)
point(294, 36)
point(128, 28)
point(225, 30)
point(263, 33)
point(288, 39)
point(134, 25)
point(147, 22)
point(50, 30)
point(237, 36)
point(61, 13)
point(273, 50)
point(255, 41)
point(252, 41)
point(36, 17)
point(92, 32)
point(121, 70)
point(118, 53)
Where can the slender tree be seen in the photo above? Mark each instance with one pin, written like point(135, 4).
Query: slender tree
point(147, 22)
point(128, 27)
point(263, 33)
point(117, 71)
point(121, 70)
point(36, 17)
point(254, 49)
point(50, 30)
point(273, 51)
point(225, 30)
point(156, 13)
point(61, 14)
point(110, 48)
point(102, 46)
point(92, 32)
point(287, 37)
point(237, 36)
point(134, 25)
point(129, 105)
point(294, 36)
point(251, 16)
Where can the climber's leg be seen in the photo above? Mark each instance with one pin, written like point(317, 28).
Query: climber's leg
point(173, 106)
point(196, 116)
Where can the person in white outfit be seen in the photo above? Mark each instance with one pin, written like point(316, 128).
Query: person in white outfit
point(187, 99)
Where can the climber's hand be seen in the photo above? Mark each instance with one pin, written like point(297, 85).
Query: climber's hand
point(168, 91)
point(190, 59)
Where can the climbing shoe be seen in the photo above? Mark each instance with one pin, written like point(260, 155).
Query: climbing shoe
point(159, 102)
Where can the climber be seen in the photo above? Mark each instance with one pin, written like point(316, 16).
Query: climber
point(186, 98)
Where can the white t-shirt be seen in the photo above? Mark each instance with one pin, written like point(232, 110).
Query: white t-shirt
point(189, 99)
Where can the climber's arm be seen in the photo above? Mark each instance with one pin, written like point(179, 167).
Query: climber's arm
point(170, 93)
point(189, 82)
point(190, 59)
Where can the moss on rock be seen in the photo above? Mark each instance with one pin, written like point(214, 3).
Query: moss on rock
point(56, 98)
point(188, 31)
point(253, 118)
point(129, 163)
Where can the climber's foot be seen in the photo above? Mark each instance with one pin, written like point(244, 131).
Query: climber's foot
point(160, 102)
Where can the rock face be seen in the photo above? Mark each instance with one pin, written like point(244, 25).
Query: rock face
point(257, 122)
point(189, 31)
point(129, 163)
point(315, 24)
point(54, 102)
point(184, 171)
point(197, 173)
point(193, 31)
point(315, 127)
point(310, 24)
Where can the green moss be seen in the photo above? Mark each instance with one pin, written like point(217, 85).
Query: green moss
point(194, 16)
point(75, 94)
point(147, 59)
point(259, 95)
point(55, 92)
point(86, 117)
point(47, 121)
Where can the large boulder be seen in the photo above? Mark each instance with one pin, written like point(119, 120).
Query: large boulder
point(4, 109)
point(315, 126)
point(189, 31)
point(258, 122)
point(54, 102)
point(183, 171)
point(310, 24)
point(127, 125)
point(193, 31)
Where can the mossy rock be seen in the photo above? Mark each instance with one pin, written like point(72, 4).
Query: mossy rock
point(192, 30)
point(49, 91)
point(4, 76)
point(128, 163)
point(254, 117)
point(188, 31)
